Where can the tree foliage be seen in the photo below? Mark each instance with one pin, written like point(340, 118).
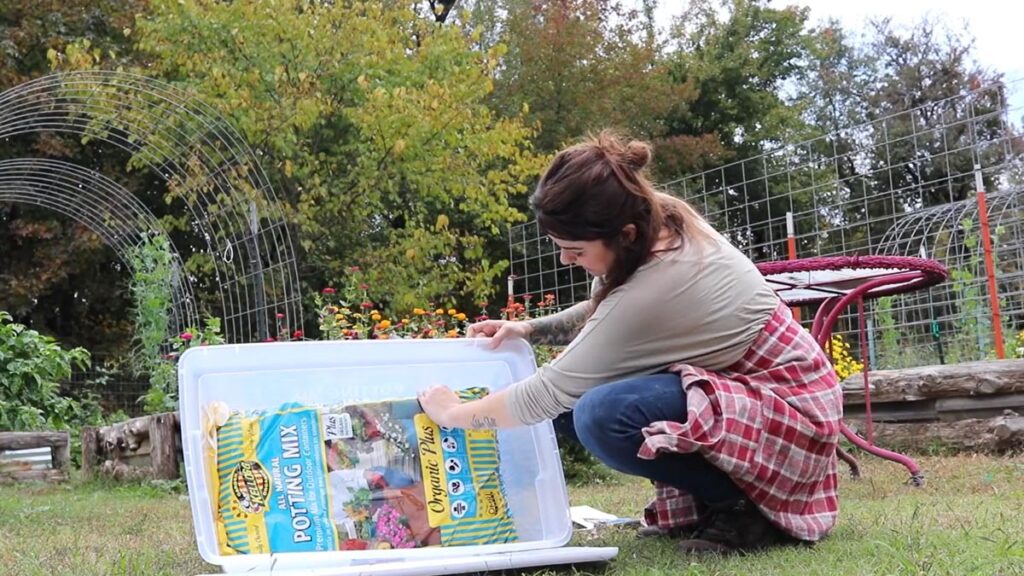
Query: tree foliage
point(373, 125)
point(579, 66)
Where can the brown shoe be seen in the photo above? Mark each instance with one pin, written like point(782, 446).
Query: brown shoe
point(733, 527)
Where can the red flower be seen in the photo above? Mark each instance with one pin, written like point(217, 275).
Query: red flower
point(364, 286)
point(527, 297)
point(297, 335)
point(353, 269)
point(328, 290)
point(481, 318)
point(279, 315)
point(366, 305)
point(186, 336)
point(269, 339)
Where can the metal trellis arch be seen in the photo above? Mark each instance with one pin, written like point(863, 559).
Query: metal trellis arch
point(202, 158)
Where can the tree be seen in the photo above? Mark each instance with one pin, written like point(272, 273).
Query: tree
point(577, 66)
point(736, 63)
point(893, 108)
point(373, 126)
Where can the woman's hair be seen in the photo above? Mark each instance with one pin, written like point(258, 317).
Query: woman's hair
point(594, 189)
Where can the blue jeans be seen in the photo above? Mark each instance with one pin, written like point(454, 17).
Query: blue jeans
point(608, 421)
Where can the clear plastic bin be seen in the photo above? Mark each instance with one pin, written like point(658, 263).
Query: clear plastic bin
point(265, 376)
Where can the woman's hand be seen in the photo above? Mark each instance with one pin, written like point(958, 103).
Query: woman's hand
point(499, 330)
point(440, 404)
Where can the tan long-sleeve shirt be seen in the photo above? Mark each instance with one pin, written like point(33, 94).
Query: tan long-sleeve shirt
point(702, 304)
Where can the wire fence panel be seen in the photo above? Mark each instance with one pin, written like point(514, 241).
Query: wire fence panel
point(904, 184)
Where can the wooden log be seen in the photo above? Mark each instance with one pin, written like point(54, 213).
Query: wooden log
point(124, 437)
point(61, 457)
point(164, 456)
point(916, 411)
point(47, 475)
point(940, 381)
point(984, 435)
point(26, 440)
point(90, 451)
point(950, 409)
point(1010, 430)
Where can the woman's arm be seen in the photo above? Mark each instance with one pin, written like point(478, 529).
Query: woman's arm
point(489, 412)
point(559, 329)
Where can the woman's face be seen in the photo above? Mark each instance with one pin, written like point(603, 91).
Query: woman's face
point(591, 255)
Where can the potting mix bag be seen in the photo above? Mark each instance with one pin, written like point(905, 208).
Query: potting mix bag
point(353, 477)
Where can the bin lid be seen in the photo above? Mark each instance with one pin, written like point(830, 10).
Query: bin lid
point(459, 564)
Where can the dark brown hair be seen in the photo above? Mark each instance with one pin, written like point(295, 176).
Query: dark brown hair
point(594, 189)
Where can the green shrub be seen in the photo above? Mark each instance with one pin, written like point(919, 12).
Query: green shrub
point(32, 366)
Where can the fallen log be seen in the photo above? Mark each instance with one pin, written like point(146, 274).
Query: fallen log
point(998, 435)
point(59, 445)
point(143, 447)
point(939, 381)
point(46, 475)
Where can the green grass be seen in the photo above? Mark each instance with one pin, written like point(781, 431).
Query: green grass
point(968, 519)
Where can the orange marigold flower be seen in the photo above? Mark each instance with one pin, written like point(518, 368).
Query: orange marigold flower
point(419, 311)
point(439, 311)
point(384, 324)
point(453, 333)
point(460, 316)
point(375, 317)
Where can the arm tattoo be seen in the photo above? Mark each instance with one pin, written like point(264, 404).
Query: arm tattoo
point(482, 423)
point(559, 329)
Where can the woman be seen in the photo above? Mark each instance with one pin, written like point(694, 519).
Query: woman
point(684, 367)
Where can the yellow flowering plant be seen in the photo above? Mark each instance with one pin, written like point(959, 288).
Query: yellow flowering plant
point(351, 314)
point(1018, 346)
point(843, 361)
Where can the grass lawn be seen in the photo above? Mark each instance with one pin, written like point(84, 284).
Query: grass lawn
point(968, 519)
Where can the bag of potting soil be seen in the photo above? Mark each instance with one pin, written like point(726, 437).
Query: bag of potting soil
point(353, 477)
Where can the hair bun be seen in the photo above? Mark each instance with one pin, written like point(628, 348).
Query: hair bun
point(638, 154)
